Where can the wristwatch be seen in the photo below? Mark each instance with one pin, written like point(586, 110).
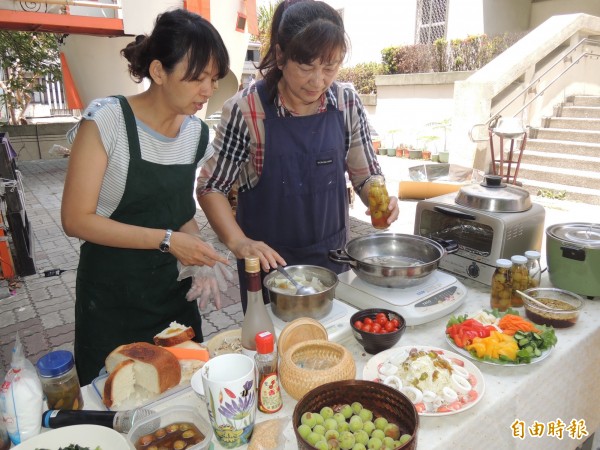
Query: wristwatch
point(165, 245)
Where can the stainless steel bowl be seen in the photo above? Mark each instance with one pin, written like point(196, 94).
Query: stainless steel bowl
point(291, 306)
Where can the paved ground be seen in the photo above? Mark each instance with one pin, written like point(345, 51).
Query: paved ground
point(41, 308)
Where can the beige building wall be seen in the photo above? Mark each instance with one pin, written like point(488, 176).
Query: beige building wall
point(99, 70)
point(540, 11)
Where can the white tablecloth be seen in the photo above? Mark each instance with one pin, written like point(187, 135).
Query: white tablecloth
point(564, 386)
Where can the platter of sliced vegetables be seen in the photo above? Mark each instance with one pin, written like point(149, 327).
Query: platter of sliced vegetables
point(437, 381)
point(500, 338)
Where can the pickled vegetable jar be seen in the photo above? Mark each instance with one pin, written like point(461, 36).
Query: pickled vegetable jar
point(59, 379)
point(501, 297)
point(520, 278)
point(533, 267)
point(379, 201)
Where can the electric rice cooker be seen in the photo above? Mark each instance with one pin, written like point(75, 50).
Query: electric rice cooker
point(573, 257)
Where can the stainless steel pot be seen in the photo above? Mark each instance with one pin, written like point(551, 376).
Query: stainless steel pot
point(290, 306)
point(393, 260)
point(573, 257)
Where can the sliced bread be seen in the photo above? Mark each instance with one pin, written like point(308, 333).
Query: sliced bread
point(174, 334)
point(120, 384)
point(155, 369)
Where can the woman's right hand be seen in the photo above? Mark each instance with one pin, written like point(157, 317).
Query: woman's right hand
point(190, 250)
point(269, 258)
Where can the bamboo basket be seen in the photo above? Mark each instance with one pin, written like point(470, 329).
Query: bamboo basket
point(310, 364)
point(382, 400)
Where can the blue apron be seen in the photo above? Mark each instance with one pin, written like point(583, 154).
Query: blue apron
point(129, 295)
point(300, 205)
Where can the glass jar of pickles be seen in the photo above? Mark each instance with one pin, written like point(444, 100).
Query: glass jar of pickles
point(520, 279)
point(533, 267)
point(379, 201)
point(501, 296)
point(59, 379)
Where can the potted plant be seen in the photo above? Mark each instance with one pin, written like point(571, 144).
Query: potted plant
point(415, 153)
point(443, 154)
point(426, 154)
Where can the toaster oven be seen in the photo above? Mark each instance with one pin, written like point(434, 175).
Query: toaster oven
point(482, 236)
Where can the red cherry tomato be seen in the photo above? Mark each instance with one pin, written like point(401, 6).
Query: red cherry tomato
point(376, 328)
point(389, 327)
point(368, 321)
point(367, 327)
point(358, 324)
point(381, 320)
point(396, 323)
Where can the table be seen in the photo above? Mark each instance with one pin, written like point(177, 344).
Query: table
point(563, 386)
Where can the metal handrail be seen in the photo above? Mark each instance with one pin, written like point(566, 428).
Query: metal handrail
point(490, 123)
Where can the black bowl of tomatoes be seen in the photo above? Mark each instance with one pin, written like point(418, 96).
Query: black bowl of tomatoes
point(377, 329)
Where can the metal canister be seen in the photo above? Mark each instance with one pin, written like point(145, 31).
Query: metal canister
point(60, 383)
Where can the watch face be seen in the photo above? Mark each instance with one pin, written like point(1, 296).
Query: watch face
point(164, 247)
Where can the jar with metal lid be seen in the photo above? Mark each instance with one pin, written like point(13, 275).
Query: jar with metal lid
point(501, 296)
point(520, 279)
point(60, 383)
point(379, 201)
point(533, 268)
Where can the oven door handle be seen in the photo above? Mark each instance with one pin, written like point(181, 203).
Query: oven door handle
point(453, 212)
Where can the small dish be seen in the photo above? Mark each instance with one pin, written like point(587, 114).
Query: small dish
point(90, 436)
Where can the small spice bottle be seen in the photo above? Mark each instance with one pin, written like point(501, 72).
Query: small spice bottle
point(379, 201)
point(269, 391)
point(56, 371)
point(520, 279)
point(534, 268)
point(501, 295)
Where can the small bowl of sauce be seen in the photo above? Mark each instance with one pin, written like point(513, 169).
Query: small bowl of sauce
point(562, 307)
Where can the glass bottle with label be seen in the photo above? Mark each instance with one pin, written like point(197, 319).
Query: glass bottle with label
point(520, 279)
point(379, 201)
point(269, 391)
point(501, 296)
point(256, 318)
point(533, 267)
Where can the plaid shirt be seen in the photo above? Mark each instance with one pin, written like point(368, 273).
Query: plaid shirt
point(239, 143)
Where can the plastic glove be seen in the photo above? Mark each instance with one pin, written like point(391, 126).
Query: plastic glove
point(207, 282)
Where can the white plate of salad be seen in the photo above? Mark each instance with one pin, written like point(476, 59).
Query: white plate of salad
point(437, 381)
point(77, 437)
point(500, 338)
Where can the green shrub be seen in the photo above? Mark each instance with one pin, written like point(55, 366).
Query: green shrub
point(362, 76)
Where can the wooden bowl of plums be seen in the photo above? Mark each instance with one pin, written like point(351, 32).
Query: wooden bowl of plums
point(356, 414)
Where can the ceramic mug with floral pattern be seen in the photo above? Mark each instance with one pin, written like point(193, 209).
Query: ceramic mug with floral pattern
point(227, 383)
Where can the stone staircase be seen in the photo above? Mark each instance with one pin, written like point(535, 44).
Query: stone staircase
point(562, 158)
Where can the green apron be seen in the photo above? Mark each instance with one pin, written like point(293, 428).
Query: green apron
point(127, 295)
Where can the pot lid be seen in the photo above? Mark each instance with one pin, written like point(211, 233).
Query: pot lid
point(583, 234)
point(300, 330)
point(493, 195)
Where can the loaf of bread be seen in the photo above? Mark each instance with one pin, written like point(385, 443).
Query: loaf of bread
point(174, 334)
point(154, 371)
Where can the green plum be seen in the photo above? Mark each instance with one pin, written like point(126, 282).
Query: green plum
point(319, 429)
point(361, 437)
point(319, 418)
point(332, 434)
point(355, 423)
point(366, 415)
point(304, 430)
point(404, 438)
point(309, 419)
point(359, 446)
point(313, 438)
point(347, 440)
point(388, 442)
point(339, 417)
point(356, 407)
point(330, 424)
point(346, 410)
point(368, 426)
point(378, 433)
point(392, 430)
point(326, 412)
point(380, 423)
point(374, 443)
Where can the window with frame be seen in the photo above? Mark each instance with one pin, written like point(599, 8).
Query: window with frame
point(431, 23)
